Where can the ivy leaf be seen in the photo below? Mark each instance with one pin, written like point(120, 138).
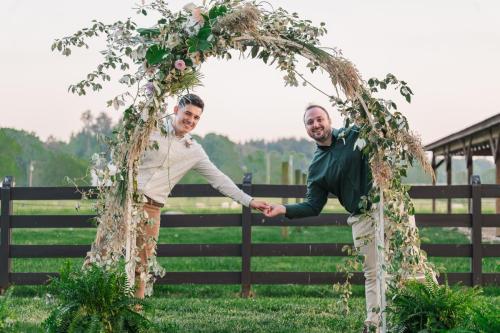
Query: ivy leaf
point(255, 50)
point(402, 172)
point(264, 55)
point(347, 122)
point(217, 11)
point(148, 32)
point(156, 54)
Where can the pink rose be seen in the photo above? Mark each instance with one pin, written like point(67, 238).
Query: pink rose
point(180, 65)
point(198, 18)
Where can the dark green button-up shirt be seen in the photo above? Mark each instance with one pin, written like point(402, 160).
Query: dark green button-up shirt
point(339, 169)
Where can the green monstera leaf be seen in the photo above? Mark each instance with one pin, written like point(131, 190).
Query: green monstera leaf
point(217, 11)
point(200, 41)
point(156, 54)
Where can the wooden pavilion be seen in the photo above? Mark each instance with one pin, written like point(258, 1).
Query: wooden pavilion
point(480, 139)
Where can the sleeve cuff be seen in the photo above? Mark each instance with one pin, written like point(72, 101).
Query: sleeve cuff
point(245, 200)
point(289, 211)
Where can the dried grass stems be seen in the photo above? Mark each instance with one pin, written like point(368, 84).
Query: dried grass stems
point(118, 224)
point(244, 19)
point(342, 72)
point(413, 144)
point(381, 170)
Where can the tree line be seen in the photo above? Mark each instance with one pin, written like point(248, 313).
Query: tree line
point(34, 162)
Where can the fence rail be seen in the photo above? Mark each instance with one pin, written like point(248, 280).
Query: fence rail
point(246, 250)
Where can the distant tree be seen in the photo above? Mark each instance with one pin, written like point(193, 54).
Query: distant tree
point(32, 149)
point(283, 146)
point(256, 163)
point(90, 139)
point(60, 169)
point(51, 166)
point(10, 152)
point(52, 143)
point(224, 154)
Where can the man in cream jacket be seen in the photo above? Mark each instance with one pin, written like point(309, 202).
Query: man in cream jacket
point(161, 169)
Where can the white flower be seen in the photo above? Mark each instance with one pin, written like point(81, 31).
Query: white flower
point(173, 40)
point(189, 7)
point(191, 26)
point(195, 21)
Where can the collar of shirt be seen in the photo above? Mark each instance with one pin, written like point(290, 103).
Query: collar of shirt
point(169, 127)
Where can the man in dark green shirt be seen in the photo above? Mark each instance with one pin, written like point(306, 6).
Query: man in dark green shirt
point(339, 167)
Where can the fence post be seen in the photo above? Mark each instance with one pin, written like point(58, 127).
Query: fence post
point(477, 255)
point(5, 262)
point(246, 240)
point(285, 180)
point(298, 181)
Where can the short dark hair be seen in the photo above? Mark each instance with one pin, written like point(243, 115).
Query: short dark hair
point(309, 107)
point(191, 99)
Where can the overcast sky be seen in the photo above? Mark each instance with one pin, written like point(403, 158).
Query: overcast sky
point(447, 50)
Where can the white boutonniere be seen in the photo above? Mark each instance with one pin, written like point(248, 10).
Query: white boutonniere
point(341, 136)
point(359, 144)
point(188, 142)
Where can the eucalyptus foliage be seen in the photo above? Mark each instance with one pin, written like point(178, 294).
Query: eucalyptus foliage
point(165, 59)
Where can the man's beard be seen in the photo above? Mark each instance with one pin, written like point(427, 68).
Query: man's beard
point(324, 137)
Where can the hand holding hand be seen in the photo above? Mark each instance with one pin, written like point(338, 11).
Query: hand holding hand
point(260, 205)
point(275, 210)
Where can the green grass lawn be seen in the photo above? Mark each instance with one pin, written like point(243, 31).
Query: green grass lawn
point(199, 308)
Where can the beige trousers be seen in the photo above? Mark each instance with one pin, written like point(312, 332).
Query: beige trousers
point(147, 237)
point(363, 234)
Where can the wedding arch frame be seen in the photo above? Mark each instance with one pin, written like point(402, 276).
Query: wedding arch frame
point(165, 60)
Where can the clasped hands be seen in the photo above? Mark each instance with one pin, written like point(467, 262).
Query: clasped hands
point(268, 210)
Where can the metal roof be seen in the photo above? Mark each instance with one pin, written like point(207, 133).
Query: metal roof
point(478, 135)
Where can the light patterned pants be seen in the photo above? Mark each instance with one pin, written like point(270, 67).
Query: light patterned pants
point(363, 234)
point(147, 237)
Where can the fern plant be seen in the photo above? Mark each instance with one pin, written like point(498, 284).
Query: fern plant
point(486, 317)
point(95, 300)
point(429, 307)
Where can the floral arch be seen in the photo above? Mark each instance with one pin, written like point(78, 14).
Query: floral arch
point(165, 60)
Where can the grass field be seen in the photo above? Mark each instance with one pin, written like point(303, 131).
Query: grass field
point(190, 308)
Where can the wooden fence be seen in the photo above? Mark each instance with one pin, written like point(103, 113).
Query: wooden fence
point(475, 220)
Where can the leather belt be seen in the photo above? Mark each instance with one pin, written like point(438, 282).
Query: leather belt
point(152, 202)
